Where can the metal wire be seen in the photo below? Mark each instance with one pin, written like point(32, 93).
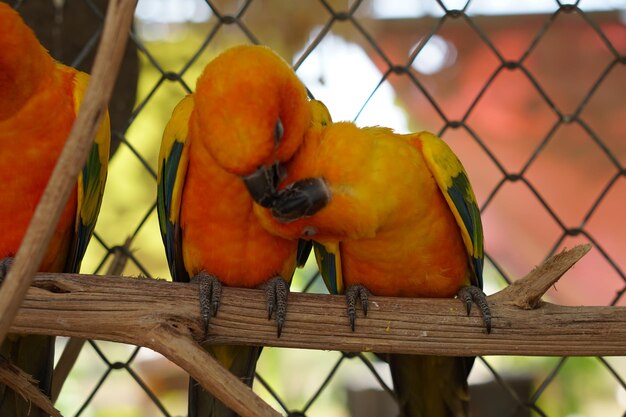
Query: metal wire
point(402, 69)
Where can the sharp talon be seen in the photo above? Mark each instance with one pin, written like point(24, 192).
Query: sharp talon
point(363, 296)
point(210, 292)
point(473, 294)
point(276, 294)
point(352, 293)
point(279, 327)
point(216, 296)
point(468, 303)
point(351, 301)
point(466, 297)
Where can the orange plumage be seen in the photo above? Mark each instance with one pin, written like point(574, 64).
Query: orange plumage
point(220, 233)
point(36, 115)
point(39, 100)
point(393, 215)
point(227, 131)
point(248, 113)
point(397, 234)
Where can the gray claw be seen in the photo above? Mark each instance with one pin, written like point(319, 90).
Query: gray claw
point(352, 293)
point(473, 294)
point(210, 294)
point(276, 294)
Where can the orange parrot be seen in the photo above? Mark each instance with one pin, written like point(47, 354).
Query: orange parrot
point(219, 154)
point(39, 99)
point(393, 215)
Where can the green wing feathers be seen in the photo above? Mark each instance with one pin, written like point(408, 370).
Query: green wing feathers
point(173, 161)
point(91, 181)
point(457, 190)
point(328, 257)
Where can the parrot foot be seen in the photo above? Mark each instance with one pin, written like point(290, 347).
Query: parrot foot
point(472, 294)
point(353, 293)
point(276, 294)
point(5, 265)
point(210, 293)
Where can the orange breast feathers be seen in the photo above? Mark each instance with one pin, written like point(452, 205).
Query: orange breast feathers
point(397, 234)
point(221, 235)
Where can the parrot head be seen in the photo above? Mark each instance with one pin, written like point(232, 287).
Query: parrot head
point(253, 114)
point(307, 196)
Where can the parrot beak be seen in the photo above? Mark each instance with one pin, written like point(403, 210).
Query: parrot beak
point(263, 182)
point(301, 199)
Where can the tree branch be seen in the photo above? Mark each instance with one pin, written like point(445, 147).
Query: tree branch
point(141, 311)
point(108, 308)
point(165, 317)
point(74, 345)
point(526, 292)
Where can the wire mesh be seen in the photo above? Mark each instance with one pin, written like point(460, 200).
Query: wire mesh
point(590, 120)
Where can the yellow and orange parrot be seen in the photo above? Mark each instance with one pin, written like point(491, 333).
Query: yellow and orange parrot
point(39, 100)
point(219, 155)
point(393, 215)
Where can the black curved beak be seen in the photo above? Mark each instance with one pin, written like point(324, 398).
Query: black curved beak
point(263, 182)
point(301, 199)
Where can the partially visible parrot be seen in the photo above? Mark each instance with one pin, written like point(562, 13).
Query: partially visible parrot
point(219, 155)
point(393, 215)
point(39, 100)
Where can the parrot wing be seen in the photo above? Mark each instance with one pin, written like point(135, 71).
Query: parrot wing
point(320, 117)
point(173, 162)
point(91, 180)
point(304, 250)
point(457, 190)
point(328, 257)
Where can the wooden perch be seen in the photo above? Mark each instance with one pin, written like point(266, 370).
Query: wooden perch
point(134, 310)
point(74, 345)
point(165, 317)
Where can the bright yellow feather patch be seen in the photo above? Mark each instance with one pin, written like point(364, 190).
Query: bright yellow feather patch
point(445, 166)
point(89, 206)
point(177, 131)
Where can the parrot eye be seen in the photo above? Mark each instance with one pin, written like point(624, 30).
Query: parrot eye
point(278, 131)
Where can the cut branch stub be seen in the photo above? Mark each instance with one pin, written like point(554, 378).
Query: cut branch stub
point(527, 292)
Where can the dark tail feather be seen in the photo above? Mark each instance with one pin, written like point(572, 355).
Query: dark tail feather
point(35, 356)
point(431, 386)
point(241, 361)
point(304, 249)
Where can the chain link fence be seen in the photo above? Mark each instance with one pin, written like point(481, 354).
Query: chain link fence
point(530, 96)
